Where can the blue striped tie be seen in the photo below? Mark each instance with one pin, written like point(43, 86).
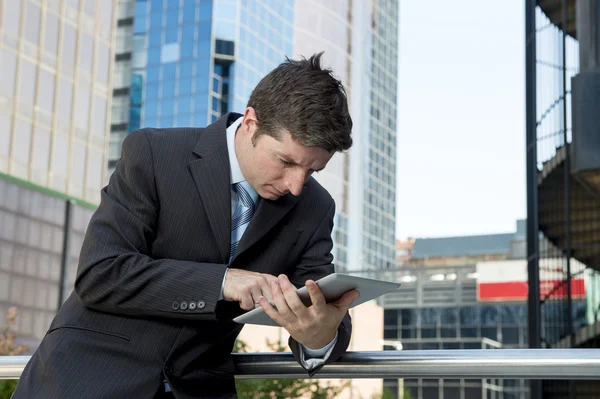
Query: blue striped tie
point(240, 220)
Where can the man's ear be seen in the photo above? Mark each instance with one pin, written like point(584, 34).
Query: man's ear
point(250, 122)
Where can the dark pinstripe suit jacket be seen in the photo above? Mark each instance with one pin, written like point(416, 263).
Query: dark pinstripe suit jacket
point(151, 267)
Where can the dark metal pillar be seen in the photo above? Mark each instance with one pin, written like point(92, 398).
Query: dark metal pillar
point(534, 324)
point(567, 176)
point(64, 258)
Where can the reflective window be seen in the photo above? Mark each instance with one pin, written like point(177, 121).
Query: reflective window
point(86, 52)
point(27, 80)
point(89, 7)
point(78, 155)
point(41, 148)
point(82, 106)
point(51, 33)
point(65, 99)
point(32, 23)
point(5, 133)
point(185, 86)
point(21, 141)
point(94, 169)
point(102, 63)
point(8, 66)
point(45, 97)
point(68, 44)
point(105, 17)
point(99, 118)
point(11, 16)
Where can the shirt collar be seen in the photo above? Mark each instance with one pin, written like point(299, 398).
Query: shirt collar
point(234, 166)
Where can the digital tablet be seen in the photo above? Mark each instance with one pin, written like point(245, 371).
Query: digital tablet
point(333, 287)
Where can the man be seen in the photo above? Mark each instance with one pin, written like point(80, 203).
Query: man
point(195, 227)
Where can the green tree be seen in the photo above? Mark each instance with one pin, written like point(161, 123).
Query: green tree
point(8, 347)
point(283, 388)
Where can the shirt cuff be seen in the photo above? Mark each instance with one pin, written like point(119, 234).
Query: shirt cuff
point(312, 358)
point(223, 286)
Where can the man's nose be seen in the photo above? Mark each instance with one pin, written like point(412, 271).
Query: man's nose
point(295, 182)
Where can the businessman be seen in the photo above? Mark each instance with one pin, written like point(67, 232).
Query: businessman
point(196, 226)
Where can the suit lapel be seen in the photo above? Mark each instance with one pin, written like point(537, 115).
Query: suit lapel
point(212, 177)
point(268, 214)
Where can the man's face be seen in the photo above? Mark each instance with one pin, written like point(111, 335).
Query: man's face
point(274, 167)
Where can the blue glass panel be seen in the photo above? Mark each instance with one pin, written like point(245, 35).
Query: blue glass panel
point(189, 13)
point(187, 33)
point(154, 56)
point(214, 118)
point(166, 121)
point(205, 9)
point(203, 48)
point(139, 24)
point(153, 74)
point(184, 105)
point(216, 87)
point(199, 118)
point(156, 21)
point(186, 69)
point(140, 9)
point(151, 91)
point(156, 5)
point(187, 49)
point(185, 86)
point(168, 88)
point(218, 69)
point(171, 35)
point(215, 104)
point(167, 106)
point(204, 30)
point(189, 3)
point(173, 17)
point(182, 120)
point(150, 108)
point(155, 38)
point(201, 101)
point(169, 71)
point(172, 4)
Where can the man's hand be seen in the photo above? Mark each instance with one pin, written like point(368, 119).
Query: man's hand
point(314, 326)
point(247, 287)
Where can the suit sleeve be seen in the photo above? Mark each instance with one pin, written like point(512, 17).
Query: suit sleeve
point(315, 264)
point(116, 273)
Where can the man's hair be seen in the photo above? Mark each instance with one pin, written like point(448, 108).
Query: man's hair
point(307, 101)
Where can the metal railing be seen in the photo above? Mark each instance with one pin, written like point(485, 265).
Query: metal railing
point(580, 364)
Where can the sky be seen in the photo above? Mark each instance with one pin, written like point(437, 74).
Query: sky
point(461, 118)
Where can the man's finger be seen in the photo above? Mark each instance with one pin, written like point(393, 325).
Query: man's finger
point(291, 297)
point(316, 296)
point(265, 288)
point(346, 300)
point(282, 306)
point(270, 311)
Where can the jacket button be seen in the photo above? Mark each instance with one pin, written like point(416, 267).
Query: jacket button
point(183, 305)
point(175, 306)
point(192, 306)
point(201, 304)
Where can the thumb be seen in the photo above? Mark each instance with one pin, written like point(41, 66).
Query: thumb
point(346, 300)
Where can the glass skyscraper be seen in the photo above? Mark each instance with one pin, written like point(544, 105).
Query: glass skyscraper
point(194, 60)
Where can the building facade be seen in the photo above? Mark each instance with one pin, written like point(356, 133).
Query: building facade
point(55, 93)
point(55, 79)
